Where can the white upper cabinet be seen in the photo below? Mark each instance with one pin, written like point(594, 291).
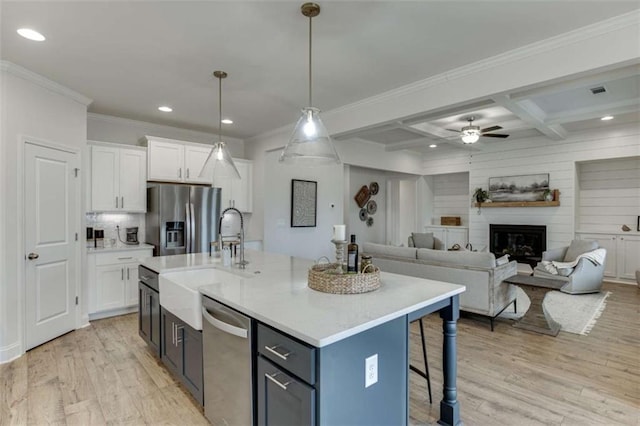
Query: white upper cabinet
point(176, 161)
point(118, 178)
point(238, 193)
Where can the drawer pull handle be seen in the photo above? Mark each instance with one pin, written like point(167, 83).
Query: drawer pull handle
point(272, 349)
point(144, 278)
point(276, 381)
point(125, 258)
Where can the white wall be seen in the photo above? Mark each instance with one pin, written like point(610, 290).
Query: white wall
point(538, 155)
point(359, 177)
point(33, 107)
point(312, 242)
point(105, 128)
point(608, 195)
point(450, 197)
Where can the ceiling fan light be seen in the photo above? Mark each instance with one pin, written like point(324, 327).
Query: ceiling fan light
point(470, 136)
point(310, 143)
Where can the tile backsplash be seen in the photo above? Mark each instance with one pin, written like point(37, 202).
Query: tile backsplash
point(109, 221)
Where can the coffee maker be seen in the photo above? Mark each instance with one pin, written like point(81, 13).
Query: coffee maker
point(132, 235)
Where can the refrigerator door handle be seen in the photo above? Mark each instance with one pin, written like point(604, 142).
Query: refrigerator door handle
point(188, 226)
point(193, 229)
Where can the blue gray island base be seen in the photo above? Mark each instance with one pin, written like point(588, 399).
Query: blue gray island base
point(327, 385)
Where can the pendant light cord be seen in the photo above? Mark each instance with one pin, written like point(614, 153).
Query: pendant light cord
point(310, 24)
point(220, 109)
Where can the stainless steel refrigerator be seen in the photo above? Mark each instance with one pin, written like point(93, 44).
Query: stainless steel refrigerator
point(181, 218)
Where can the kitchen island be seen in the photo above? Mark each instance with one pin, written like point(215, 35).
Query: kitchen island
point(340, 337)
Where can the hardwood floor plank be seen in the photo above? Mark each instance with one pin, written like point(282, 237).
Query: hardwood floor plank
point(13, 392)
point(87, 412)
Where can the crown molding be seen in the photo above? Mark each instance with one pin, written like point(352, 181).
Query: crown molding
point(44, 82)
point(562, 40)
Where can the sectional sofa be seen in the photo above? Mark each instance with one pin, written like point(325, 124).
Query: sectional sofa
point(486, 292)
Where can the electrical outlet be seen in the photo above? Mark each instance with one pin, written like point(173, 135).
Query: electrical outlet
point(370, 370)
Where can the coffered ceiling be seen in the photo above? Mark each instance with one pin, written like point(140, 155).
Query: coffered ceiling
point(132, 56)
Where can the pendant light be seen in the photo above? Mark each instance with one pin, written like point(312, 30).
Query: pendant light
point(219, 158)
point(310, 144)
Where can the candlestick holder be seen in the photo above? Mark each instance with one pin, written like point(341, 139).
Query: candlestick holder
point(342, 266)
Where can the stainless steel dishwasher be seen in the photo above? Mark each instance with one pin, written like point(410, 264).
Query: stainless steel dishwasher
point(226, 336)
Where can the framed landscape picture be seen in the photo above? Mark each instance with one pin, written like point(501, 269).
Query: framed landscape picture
point(303, 203)
point(518, 188)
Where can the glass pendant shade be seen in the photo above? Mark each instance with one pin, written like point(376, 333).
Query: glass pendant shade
point(310, 143)
point(220, 159)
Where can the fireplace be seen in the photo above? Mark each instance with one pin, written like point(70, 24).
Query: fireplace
point(523, 243)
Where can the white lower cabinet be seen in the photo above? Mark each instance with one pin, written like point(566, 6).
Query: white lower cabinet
point(113, 281)
point(450, 235)
point(623, 253)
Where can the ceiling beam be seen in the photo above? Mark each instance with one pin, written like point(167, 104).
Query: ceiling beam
point(595, 111)
point(530, 113)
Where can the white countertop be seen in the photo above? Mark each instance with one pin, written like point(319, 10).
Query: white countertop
point(273, 289)
point(119, 247)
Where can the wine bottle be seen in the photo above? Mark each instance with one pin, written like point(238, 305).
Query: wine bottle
point(352, 255)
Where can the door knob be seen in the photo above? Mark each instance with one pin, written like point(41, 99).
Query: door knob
point(33, 256)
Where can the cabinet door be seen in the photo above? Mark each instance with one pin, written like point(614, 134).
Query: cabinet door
point(171, 352)
point(131, 287)
point(144, 312)
point(241, 189)
point(154, 313)
point(610, 243)
point(104, 178)
point(282, 399)
point(191, 341)
point(628, 256)
point(165, 161)
point(457, 236)
point(110, 287)
point(194, 158)
point(133, 180)
point(226, 197)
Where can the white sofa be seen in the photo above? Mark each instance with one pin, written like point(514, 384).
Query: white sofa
point(486, 292)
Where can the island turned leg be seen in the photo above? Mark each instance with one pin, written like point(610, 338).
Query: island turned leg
point(449, 406)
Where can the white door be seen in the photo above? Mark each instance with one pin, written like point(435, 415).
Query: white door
point(110, 286)
point(628, 256)
point(50, 205)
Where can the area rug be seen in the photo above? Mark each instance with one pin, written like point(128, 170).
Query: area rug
point(576, 313)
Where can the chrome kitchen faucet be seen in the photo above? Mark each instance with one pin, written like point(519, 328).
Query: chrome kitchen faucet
point(243, 263)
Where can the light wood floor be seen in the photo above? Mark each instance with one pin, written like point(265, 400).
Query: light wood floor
point(104, 374)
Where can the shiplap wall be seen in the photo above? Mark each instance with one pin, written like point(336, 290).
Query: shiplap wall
point(451, 197)
point(531, 156)
point(608, 195)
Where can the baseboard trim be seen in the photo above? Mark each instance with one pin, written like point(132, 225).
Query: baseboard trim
point(113, 313)
point(10, 353)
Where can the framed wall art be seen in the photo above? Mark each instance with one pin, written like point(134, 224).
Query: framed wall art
point(303, 203)
point(518, 188)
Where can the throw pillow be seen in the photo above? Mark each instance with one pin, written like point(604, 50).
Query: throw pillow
point(423, 240)
point(502, 260)
point(577, 247)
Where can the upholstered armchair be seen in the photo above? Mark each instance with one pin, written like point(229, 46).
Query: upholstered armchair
point(585, 277)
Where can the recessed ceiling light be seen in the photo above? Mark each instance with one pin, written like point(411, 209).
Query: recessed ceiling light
point(607, 118)
point(227, 121)
point(31, 34)
point(165, 109)
point(433, 145)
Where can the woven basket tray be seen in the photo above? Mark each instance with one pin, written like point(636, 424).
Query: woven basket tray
point(323, 278)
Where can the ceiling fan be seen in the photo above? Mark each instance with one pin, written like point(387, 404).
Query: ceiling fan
point(471, 134)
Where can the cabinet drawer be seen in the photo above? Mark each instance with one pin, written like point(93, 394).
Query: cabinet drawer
point(149, 277)
point(129, 256)
point(288, 353)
